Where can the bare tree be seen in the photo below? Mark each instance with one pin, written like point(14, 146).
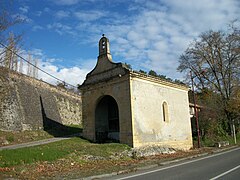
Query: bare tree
point(9, 41)
point(6, 18)
point(214, 59)
point(10, 59)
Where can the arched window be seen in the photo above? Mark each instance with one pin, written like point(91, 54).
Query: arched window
point(165, 112)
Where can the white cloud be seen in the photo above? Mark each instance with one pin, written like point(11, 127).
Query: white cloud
point(61, 28)
point(90, 15)
point(62, 14)
point(46, 9)
point(156, 36)
point(65, 2)
point(37, 27)
point(72, 75)
point(37, 52)
point(38, 13)
point(156, 32)
point(202, 15)
point(24, 9)
point(152, 37)
point(23, 18)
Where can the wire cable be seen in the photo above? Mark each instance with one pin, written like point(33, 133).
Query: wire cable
point(2, 52)
point(37, 67)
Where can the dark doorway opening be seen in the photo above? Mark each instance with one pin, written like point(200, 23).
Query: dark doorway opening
point(107, 120)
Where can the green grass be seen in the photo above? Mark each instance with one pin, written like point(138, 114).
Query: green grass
point(231, 140)
point(31, 155)
point(57, 150)
point(10, 138)
point(208, 142)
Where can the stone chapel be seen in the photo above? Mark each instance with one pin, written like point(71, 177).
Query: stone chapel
point(133, 108)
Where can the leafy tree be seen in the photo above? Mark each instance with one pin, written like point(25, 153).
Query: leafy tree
point(165, 77)
point(128, 65)
point(214, 60)
point(162, 76)
point(141, 71)
point(152, 73)
point(62, 85)
point(235, 108)
point(179, 82)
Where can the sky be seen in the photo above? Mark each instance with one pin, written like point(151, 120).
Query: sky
point(148, 34)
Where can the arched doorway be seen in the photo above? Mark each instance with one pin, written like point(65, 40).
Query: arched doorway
point(107, 120)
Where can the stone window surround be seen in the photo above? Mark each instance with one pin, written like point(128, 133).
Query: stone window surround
point(165, 112)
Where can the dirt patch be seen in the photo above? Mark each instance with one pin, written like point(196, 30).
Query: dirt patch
point(10, 138)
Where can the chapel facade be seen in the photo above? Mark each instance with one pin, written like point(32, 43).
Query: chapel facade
point(133, 108)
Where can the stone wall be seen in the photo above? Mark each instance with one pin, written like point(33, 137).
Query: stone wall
point(118, 88)
point(149, 125)
point(26, 102)
point(10, 112)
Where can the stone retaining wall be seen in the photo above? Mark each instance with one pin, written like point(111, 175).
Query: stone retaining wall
point(25, 102)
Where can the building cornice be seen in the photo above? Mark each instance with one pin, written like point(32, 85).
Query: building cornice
point(157, 80)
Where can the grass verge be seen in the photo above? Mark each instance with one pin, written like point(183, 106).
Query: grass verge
point(75, 158)
point(57, 150)
point(210, 142)
point(57, 157)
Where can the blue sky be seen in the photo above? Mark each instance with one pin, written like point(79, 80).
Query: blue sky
point(148, 34)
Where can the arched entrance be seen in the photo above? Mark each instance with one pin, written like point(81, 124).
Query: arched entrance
point(107, 120)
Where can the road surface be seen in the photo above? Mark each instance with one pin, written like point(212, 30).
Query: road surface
point(40, 142)
point(224, 165)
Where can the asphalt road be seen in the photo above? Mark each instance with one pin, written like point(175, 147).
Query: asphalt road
point(34, 143)
point(224, 165)
point(40, 142)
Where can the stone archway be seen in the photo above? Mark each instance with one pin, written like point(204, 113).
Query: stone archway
point(107, 120)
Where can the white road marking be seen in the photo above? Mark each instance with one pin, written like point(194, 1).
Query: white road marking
point(223, 174)
point(188, 162)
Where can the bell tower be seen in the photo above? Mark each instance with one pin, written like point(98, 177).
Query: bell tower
point(104, 48)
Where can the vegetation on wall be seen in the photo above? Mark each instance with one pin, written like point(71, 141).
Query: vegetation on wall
point(153, 73)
